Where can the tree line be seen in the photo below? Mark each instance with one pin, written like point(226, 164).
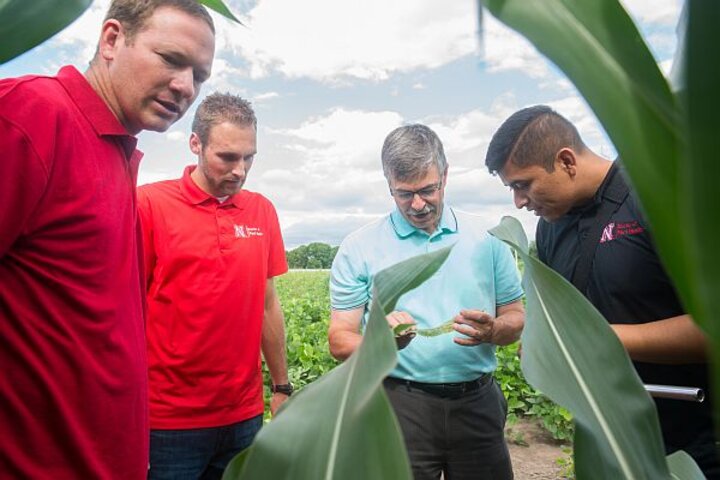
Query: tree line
point(312, 255)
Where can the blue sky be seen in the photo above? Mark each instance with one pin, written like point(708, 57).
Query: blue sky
point(329, 79)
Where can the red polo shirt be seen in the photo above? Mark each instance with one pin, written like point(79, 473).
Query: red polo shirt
point(207, 264)
point(73, 387)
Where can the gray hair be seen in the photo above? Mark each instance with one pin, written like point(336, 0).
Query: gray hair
point(409, 152)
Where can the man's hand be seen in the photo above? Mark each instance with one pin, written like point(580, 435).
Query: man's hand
point(479, 326)
point(398, 318)
point(276, 400)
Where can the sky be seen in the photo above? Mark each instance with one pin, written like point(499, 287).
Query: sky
point(329, 79)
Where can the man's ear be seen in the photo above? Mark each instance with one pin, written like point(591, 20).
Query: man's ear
point(566, 161)
point(112, 35)
point(195, 144)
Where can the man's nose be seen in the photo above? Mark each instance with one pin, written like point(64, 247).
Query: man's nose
point(239, 170)
point(520, 199)
point(417, 202)
point(183, 82)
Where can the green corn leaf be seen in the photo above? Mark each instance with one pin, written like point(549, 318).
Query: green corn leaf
point(441, 329)
point(699, 172)
point(683, 467)
point(25, 24)
point(220, 7)
point(668, 143)
point(598, 47)
point(617, 431)
point(445, 327)
point(342, 425)
point(401, 328)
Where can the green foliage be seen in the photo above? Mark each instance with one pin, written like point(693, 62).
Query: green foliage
point(305, 301)
point(617, 433)
point(566, 464)
point(312, 256)
point(524, 400)
point(668, 141)
point(23, 24)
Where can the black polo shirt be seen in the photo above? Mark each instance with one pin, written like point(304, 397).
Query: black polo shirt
point(628, 284)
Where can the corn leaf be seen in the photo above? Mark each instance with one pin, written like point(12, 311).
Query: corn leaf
point(668, 143)
point(596, 44)
point(25, 24)
point(683, 467)
point(220, 7)
point(342, 425)
point(700, 171)
point(617, 431)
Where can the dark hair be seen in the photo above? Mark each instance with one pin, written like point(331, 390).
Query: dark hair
point(133, 14)
point(409, 151)
point(218, 108)
point(532, 136)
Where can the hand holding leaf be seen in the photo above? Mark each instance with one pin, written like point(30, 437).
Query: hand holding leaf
point(477, 325)
point(403, 326)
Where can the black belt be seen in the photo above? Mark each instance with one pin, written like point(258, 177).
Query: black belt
point(443, 390)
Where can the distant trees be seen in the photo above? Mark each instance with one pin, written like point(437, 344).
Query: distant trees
point(313, 255)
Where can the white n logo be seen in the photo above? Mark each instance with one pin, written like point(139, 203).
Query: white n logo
point(240, 231)
point(607, 234)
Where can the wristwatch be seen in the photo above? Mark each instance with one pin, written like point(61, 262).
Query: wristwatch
point(285, 388)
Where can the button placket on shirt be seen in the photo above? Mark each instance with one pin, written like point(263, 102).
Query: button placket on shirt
point(225, 226)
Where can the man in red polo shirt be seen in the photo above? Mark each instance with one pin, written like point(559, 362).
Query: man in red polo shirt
point(73, 387)
point(211, 252)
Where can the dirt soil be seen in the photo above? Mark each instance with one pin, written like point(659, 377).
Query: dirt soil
point(534, 452)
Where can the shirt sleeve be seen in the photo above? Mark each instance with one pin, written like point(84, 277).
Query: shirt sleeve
point(349, 281)
point(507, 278)
point(22, 183)
point(277, 261)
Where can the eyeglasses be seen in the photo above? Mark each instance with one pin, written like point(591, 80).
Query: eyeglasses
point(426, 193)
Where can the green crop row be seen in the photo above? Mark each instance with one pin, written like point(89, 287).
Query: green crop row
point(305, 301)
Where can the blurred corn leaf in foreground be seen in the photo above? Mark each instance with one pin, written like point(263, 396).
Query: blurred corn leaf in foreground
point(342, 426)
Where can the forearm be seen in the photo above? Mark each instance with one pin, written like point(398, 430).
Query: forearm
point(344, 335)
point(273, 344)
point(509, 323)
point(508, 327)
point(675, 340)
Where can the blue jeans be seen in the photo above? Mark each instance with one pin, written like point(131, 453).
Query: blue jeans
point(198, 453)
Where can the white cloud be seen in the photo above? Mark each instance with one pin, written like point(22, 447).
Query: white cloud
point(263, 97)
point(335, 41)
point(660, 12)
point(342, 138)
point(506, 50)
point(176, 136)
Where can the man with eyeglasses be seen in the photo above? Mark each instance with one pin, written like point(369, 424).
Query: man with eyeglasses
point(450, 409)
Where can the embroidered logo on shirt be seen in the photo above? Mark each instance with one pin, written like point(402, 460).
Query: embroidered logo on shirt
point(240, 231)
point(243, 231)
point(614, 230)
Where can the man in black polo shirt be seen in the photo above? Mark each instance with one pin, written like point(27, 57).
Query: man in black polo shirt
point(587, 213)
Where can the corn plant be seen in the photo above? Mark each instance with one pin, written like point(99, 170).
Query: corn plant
point(668, 142)
point(342, 425)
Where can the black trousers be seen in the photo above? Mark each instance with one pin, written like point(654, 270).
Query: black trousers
point(461, 437)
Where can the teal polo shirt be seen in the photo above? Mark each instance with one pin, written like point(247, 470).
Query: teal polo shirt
point(480, 273)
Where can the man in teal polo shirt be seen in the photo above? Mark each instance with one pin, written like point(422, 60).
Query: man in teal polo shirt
point(450, 409)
